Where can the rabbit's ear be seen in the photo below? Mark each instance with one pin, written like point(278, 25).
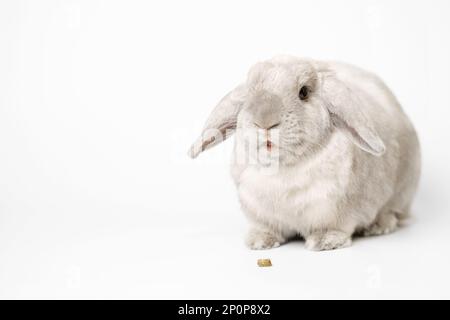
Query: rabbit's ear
point(221, 123)
point(347, 113)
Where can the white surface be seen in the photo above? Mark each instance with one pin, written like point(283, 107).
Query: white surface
point(99, 101)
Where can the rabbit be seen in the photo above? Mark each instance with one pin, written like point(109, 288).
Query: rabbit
point(335, 157)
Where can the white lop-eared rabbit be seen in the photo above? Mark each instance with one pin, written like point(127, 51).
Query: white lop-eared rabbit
point(323, 150)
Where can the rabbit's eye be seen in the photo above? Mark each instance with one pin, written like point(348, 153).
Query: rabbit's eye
point(303, 93)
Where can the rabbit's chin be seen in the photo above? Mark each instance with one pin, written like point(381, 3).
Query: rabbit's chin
point(274, 155)
point(272, 158)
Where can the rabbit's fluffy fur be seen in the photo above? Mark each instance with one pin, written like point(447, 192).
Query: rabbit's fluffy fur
point(345, 160)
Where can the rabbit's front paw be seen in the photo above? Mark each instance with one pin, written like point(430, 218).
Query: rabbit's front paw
point(328, 240)
point(260, 240)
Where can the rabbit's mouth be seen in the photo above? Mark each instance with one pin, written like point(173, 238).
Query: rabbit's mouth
point(269, 140)
point(268, 146)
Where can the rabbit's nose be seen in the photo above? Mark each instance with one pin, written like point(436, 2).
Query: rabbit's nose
point(266, 125)
point(265, 110)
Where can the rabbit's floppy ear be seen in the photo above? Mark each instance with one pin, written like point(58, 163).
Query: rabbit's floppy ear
point(221, 123)
point(346, 110)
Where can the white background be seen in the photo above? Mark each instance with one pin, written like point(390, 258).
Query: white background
point(99, 101)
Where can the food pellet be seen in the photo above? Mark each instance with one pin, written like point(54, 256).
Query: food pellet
point(264, 263)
